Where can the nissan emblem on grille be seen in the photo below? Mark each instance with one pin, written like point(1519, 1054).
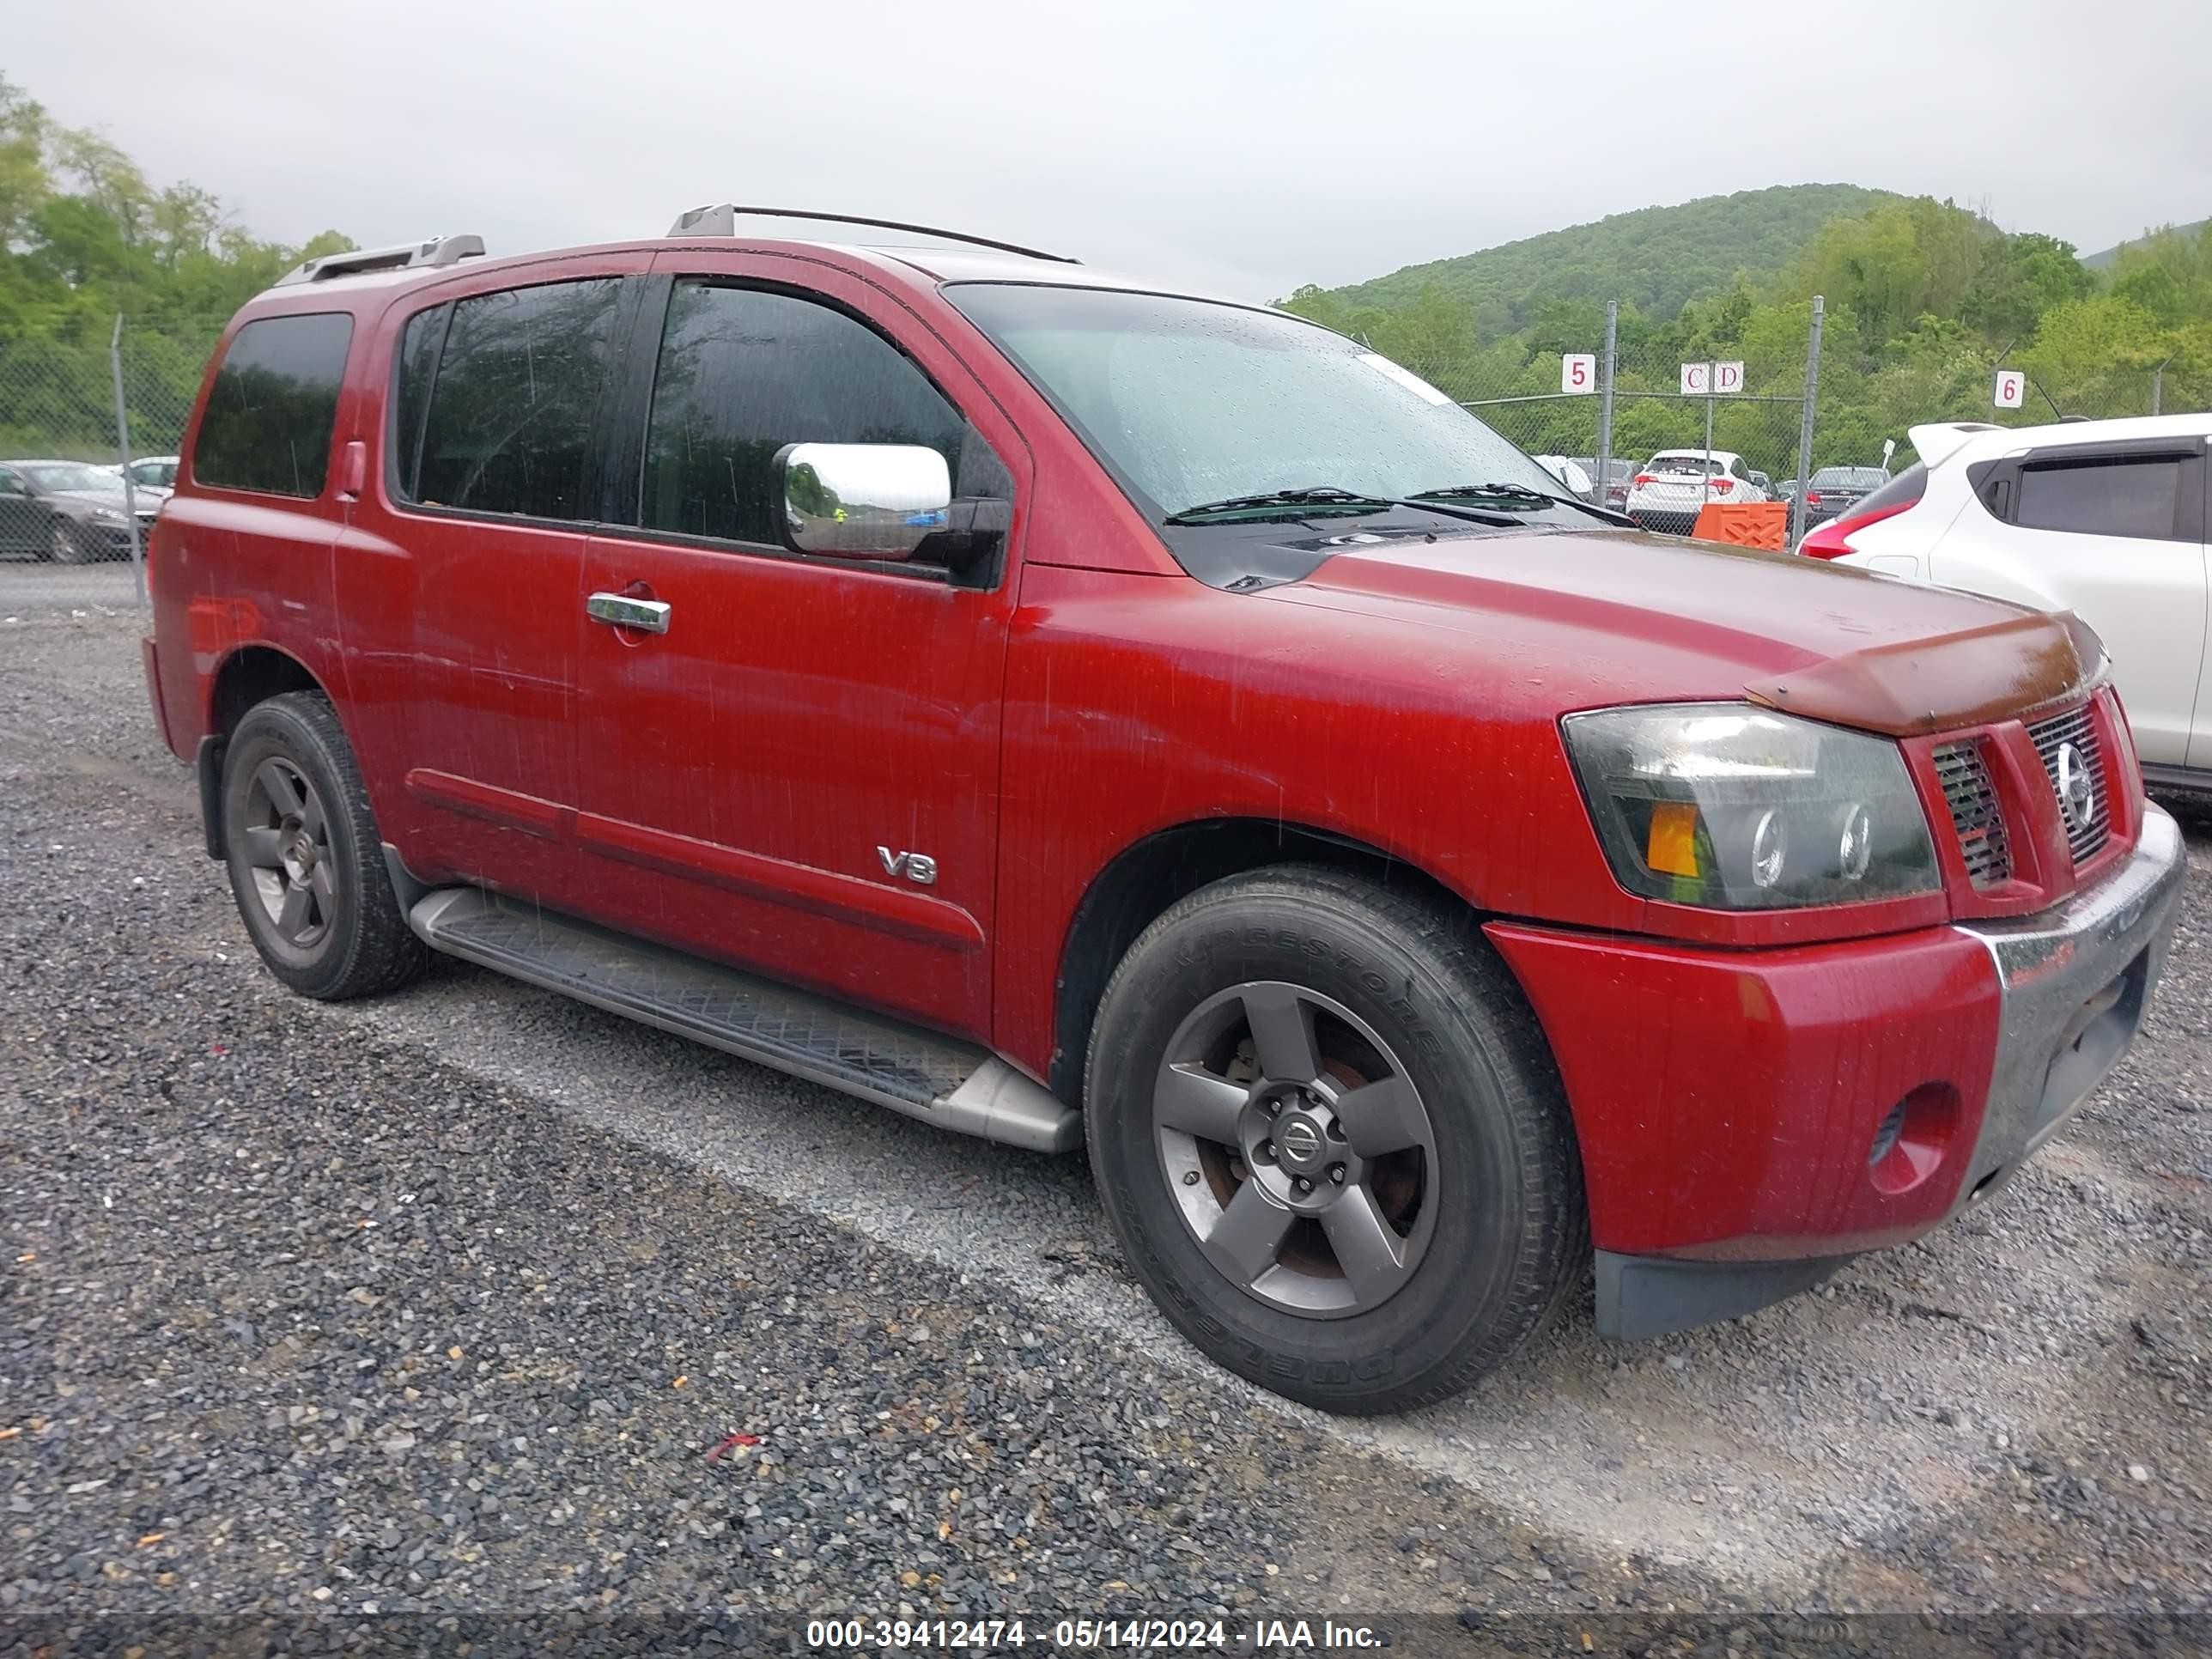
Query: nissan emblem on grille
point(2074, 758)
point(2077, 795)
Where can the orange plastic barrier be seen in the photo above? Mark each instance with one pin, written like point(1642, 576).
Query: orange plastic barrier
point(1745, 524)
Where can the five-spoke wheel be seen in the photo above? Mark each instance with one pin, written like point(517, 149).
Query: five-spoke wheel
point(1296, 1147)
point(286, 845)
point(1330, 1136)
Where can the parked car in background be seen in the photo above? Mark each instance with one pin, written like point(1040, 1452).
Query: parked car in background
point(1072, 713)
point(67, 511)
point(1675, 484)
point(152, 472)
point(2105, 519)
point(1620, 470)
point(1572, 473)
point(1765, 485)
point(1832, 492)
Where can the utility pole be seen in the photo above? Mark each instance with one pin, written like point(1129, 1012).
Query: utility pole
point(1805, 413)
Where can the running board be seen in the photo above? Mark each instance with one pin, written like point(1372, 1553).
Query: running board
point(952, 1084)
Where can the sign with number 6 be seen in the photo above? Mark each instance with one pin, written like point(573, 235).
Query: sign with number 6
point(2011, 391)
point(1579, 372)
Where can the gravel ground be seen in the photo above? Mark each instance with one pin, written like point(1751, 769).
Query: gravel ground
point(312, 1308)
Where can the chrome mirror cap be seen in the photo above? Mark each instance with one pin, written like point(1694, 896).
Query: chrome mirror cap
point(863, 500)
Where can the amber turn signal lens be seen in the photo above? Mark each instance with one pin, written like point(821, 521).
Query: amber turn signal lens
point(1671, 848)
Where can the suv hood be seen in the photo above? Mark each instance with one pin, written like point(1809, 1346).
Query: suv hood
point(1622, 616)
point(88, 498)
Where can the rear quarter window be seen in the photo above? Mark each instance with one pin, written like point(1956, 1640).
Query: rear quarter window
point(267, 424)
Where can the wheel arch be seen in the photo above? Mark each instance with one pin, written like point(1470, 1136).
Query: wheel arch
point(1146, 877)
point(250, 675)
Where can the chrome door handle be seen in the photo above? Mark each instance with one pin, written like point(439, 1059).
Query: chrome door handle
point(620, 611)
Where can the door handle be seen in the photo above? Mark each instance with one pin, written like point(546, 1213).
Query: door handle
point(621, 611)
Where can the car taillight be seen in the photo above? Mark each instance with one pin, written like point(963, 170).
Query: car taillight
point(1644, 479)
point(1812, 498)
point(1833, 539)
point(1723, 484)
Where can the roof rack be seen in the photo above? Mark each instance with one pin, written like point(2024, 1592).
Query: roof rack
point(720, 219)
point(438, 251)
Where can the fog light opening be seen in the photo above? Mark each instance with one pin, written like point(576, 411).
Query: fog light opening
point(1909, 1143)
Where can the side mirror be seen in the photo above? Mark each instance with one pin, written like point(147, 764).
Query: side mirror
point(863, 500)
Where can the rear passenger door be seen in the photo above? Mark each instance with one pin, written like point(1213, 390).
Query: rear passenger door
point(801, 774)
point(2114, 532)
point(499, 393)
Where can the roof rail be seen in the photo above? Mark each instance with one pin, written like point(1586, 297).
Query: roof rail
point(720, 219)
point(438, 251)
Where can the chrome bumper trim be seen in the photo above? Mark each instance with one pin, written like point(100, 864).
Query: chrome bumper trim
point(2106, 946)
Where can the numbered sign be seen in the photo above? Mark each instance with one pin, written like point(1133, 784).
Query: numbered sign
point(2011, 389)
point(1579, 372)
point(1720, 380)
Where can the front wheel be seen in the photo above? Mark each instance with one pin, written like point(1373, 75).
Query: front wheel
point(1329, 1132)
point(65, 543)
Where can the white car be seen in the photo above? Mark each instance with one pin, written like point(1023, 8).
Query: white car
point(1676, 484)
point(2105, 519)
point(1568, 472)
point(153, 473)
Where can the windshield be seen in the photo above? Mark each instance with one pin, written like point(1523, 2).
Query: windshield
point(1698, 465)
point(71, 475)
point(1187, 401)
point(1848, 477)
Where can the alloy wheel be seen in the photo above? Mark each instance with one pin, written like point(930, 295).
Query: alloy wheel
point(287, 847)
point(1297, 1149)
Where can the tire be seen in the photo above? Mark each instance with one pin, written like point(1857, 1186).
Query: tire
point(1487, 1232)
point(306, 865)
point(65, 543)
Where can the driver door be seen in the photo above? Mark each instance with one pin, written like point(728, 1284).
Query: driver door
point(800, 775)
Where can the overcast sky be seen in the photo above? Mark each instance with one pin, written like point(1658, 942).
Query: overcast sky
point(1247, 148)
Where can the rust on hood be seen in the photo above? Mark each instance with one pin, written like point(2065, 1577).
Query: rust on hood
point(2005, 669)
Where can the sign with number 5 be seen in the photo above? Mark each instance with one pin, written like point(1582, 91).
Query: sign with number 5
point(1579, 372)
point(2011, 391)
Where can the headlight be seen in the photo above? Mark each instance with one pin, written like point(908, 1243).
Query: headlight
point(1734, 808)
point(107, 515)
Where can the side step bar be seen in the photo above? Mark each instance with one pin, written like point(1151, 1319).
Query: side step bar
point(952, 1084)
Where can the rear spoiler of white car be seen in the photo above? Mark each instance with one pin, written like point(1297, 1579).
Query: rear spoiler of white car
point(1937, 442)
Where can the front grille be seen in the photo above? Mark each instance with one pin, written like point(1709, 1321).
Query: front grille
point(2087, 817)
point(1977, 816)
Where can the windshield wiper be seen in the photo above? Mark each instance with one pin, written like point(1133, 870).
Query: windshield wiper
point(1510, 492)
point(1321, 495)
point(1516, 492)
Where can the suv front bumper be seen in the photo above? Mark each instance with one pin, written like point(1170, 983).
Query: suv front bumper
point(1738, 1112)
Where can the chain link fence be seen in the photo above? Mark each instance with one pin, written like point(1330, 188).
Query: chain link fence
point(67, 519)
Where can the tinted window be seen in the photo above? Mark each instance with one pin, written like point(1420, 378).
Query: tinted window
point(742, 374)
point(510, 410)
point(2107, 498)
point(267, 425)
point(425, 336)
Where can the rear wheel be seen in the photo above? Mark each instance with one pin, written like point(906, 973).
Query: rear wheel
point(1329, 1132)
point(307, 866)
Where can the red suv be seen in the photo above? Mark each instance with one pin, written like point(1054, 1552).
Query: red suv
point(1069, 710)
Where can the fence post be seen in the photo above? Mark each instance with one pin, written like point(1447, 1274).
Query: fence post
point(1805, 412)
point(1605, 403)
point(2158, 386)
point(122, 454)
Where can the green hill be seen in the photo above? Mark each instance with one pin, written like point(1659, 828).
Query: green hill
point(2105, 260)
point(1658, 258)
